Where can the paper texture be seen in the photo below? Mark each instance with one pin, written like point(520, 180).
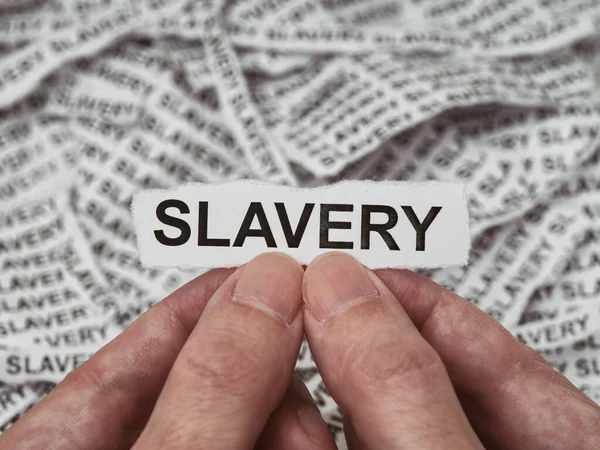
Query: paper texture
point(100, 101)
point(388, 224)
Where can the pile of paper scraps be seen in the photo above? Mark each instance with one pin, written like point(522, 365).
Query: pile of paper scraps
point(102, 98)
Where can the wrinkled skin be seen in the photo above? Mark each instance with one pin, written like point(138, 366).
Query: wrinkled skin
point(212, 366)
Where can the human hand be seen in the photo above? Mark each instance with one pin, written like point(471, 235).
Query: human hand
point(396, 351)
point(209, 367)
point(414, 366)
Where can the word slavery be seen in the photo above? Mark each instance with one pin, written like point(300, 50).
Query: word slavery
point(390, 224)
point(293, 237)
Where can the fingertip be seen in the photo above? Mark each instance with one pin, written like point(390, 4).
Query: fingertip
point(271, 282)
point(333, 281)
point(277, 257)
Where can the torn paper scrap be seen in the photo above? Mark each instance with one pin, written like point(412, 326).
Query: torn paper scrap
point(382, 224)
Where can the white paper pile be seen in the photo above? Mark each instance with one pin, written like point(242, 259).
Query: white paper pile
point(103, 98)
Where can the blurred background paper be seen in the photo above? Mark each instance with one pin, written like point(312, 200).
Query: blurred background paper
point(101, 100)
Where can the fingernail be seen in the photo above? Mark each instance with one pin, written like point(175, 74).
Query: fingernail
point(334, 280)
point(313, 425)
point(271, 282)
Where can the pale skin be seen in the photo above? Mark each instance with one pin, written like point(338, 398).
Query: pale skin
point(412, 366)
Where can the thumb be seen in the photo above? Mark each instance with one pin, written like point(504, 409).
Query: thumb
point(236, 365)
point(376, 364)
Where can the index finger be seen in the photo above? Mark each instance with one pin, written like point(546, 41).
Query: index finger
point(510, 394)
point(106, 401)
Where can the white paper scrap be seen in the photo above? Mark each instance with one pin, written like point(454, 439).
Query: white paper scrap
point(382, 224)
